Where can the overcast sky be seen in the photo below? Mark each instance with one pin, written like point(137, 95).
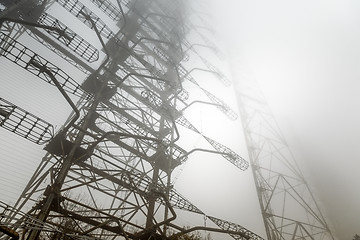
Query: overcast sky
point(306, 55)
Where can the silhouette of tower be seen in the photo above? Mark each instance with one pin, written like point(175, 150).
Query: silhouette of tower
point(288, 206)
point(107, 171)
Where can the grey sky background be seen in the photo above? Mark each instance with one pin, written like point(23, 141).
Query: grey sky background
point(305, 54)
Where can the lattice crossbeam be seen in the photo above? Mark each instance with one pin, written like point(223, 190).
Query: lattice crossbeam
point(35, 64)
point(24, 124)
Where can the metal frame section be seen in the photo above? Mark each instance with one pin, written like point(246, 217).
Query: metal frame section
point(289, 208)
point(35, 64)
point(229, 226)
point(24, 124)
point(107, 171)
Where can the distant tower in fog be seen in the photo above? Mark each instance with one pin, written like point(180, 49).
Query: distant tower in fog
point(289, 209)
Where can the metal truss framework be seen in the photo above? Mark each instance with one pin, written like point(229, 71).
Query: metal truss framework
point(24, 123)
point(107, 171)
point(289, 209)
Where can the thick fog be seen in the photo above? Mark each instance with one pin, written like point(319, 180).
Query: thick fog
point(306, 56)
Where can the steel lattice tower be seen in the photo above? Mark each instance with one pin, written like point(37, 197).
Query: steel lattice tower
point(107, 171)
point(288, 206)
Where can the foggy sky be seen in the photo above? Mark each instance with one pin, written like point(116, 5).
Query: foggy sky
point(305, 54)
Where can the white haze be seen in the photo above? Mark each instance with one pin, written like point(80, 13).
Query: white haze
point(306, 56)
